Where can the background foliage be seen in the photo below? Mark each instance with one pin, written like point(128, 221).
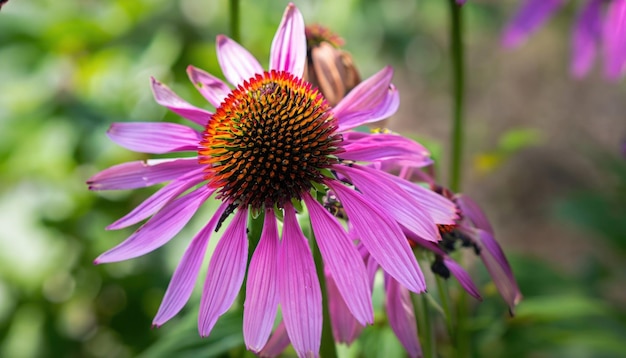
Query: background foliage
point(69, 69)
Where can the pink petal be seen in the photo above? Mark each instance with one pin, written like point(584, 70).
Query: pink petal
point(154, 137)
point(385, 147)
point(382, 236)
point(587, 33)
point(615, 39)
point(211, 87)
point(342, 260)
point(367, 102)
point(345, 327)
point(472, 212)
point(441, 210)
point(402, 317)
point(498, 267)
point(378, 187)
point(159, 229)
point(157, 200)
point(299, 289)
point(288, 52)
point(462, 276)
point(261, 303)
point(184, 279)
point(277, 343)
point(141, 173)
point(167, 98)
point(237, 63)
point(530, 16)
point(225, 274)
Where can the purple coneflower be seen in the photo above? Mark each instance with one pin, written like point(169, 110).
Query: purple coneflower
point(272, 143)
point(600, 23)
point(471, 230)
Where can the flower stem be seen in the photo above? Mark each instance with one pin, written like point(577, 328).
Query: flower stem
point(460, 336)
point(327, 348)
point(424, 325)
point(442, 288)
point(234, 19)
point(255, 229)
point(458, 91)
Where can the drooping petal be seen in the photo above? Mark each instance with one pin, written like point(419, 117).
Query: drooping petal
point(407, 211)
point(587, 32)
point(382, 236)
point(462, 276)
point(386, 147)
point(498, 267)
point(184, 279)
point(277, 342)
point(167, 98)
point(299, 289)
point(288, 52)
point(211, 87)
point(225, 273)
point(442, 210)
point(370, 99)
point(154, 137)
point(261, 303)
point(615, 39)
point(530, 16)
point(237, 63)
point(401, 316)
point(141, 173)
point(159, 229)
point(342, 260)
point(345, 327)
point(473, 213)
point(157, 200)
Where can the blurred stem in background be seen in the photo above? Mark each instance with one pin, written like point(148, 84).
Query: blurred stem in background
point(460, 337)
point(458, 92)
point(234, 20)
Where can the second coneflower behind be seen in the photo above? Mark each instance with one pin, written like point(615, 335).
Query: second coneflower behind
point(329, 67)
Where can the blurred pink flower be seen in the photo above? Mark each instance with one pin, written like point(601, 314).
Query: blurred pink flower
point(272, 141)
point(600, 24)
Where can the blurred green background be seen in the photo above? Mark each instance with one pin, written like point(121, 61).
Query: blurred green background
point(543, 156)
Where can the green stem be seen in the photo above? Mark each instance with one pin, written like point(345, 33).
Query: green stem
point(460, 337)
point(458, 90)
point(424, 325)
point(444, 296)
point(327, 348)
point(255, 228)
point(234, 20)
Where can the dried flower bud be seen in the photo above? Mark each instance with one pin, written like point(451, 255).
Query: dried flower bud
point(329, 68)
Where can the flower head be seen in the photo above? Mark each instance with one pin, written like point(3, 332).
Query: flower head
point(272, 144)
point(329, 68)
point(600, 23)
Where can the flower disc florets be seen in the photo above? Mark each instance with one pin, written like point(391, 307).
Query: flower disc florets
point(268, 141)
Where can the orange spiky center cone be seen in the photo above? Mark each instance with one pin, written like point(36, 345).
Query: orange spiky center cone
point(269, 141)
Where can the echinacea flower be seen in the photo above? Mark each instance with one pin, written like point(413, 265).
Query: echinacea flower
point(600, 24)
point(471, 230)
point(271, 144)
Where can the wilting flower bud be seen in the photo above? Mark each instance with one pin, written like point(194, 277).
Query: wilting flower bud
point(329, 68)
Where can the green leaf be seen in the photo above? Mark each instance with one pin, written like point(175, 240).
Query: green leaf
point(183, 340)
